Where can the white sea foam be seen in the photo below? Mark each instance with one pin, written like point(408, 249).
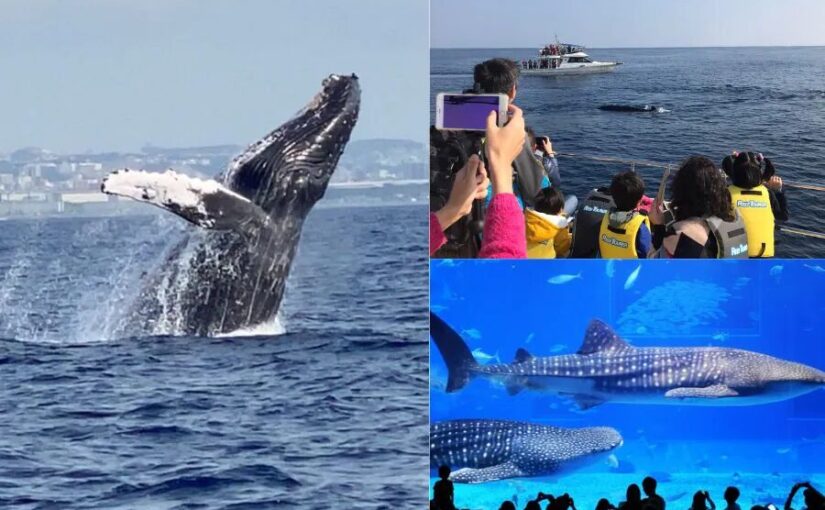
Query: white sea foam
point(270, 328)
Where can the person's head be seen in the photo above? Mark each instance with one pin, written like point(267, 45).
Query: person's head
point(698, 501)
point(444, 472)
point(627, 189)
point(634, 494)
point(813, 499)
point(649, 485)
point(731, 495)
point(507, 505)
point(727, 164)
point(549, 201)
point(604, 504)
point(699, 189)
point(562, 502)
point(496, 76)
point(532, 505)
point(747, 170)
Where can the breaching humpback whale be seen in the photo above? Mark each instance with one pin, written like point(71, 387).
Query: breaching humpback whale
point(608, 369)
point(231, 273)
point(487, 450)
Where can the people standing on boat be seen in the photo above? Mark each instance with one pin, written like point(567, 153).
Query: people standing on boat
point(705, 224)
point(625, 232)
point(756, 193)
point(500, 76)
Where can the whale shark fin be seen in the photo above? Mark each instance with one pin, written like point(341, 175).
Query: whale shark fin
point(458, 357)
point(486, 474)
point(586, 402)
point(522, 355)
point(513, 387)
point(600, 337)
point(714, 391)
point(205, 203)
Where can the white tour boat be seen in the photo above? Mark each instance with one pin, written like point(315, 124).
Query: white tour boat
point(564, 59)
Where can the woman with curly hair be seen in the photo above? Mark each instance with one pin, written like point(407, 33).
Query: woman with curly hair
point(702, 211)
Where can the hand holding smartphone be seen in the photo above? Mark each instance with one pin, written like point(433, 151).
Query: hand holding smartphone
point(468, 112)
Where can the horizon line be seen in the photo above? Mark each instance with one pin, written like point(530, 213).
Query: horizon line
point(635, 47)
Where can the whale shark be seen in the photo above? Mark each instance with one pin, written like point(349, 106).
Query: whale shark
point(608, 369)
point(230, 273)
point(488, 450)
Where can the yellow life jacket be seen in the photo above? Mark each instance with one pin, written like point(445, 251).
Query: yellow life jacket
point(620, 242)
point(754, 205)
point(547, 235)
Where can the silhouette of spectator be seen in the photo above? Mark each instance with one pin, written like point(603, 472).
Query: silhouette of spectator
point(562, 502)
point(532, 505)
point(507, 505)
point(634, 498)
point(731, 495)
point(604, 504)
point(814, 500)
point(653, 500)
point(702, 501)
point(443, 490)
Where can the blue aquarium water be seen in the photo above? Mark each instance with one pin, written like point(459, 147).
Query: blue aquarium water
point(769, 307)
point(720, 99)
point(321, 415)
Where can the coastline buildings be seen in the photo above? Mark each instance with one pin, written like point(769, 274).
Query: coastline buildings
point(35, 181)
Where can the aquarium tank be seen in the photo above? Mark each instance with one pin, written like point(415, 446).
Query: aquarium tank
point(739, 402)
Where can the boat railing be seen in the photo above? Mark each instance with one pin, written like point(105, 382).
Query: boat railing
point(635, 164)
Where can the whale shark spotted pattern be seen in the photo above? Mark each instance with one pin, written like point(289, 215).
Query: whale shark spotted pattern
point(487, 450)
point(608, 369)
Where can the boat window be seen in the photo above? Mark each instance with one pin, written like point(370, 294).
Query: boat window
point(576, 60)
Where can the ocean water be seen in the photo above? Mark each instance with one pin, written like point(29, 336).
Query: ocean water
point(320, 415)
point(770, 307)
point(771, 100)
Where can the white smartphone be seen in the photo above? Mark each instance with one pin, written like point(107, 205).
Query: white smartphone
point(468, 112)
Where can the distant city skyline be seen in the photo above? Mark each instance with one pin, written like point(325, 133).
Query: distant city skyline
point(94, 75)
point(627, 23)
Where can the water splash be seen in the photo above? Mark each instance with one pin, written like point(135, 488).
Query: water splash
point(275, 327)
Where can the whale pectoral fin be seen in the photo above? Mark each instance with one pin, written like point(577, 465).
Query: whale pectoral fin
point(715, 391)
point(205, 203)
point(487, 474)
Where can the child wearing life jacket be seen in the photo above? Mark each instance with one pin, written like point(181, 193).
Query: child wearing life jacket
point(625, 231)
point(756, 193)
point(548, 233)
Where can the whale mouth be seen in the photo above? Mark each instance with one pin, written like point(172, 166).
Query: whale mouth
point(292, 165)
point(332, 114)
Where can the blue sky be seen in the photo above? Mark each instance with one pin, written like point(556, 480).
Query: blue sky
point(114, 75)
point(627, 23)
